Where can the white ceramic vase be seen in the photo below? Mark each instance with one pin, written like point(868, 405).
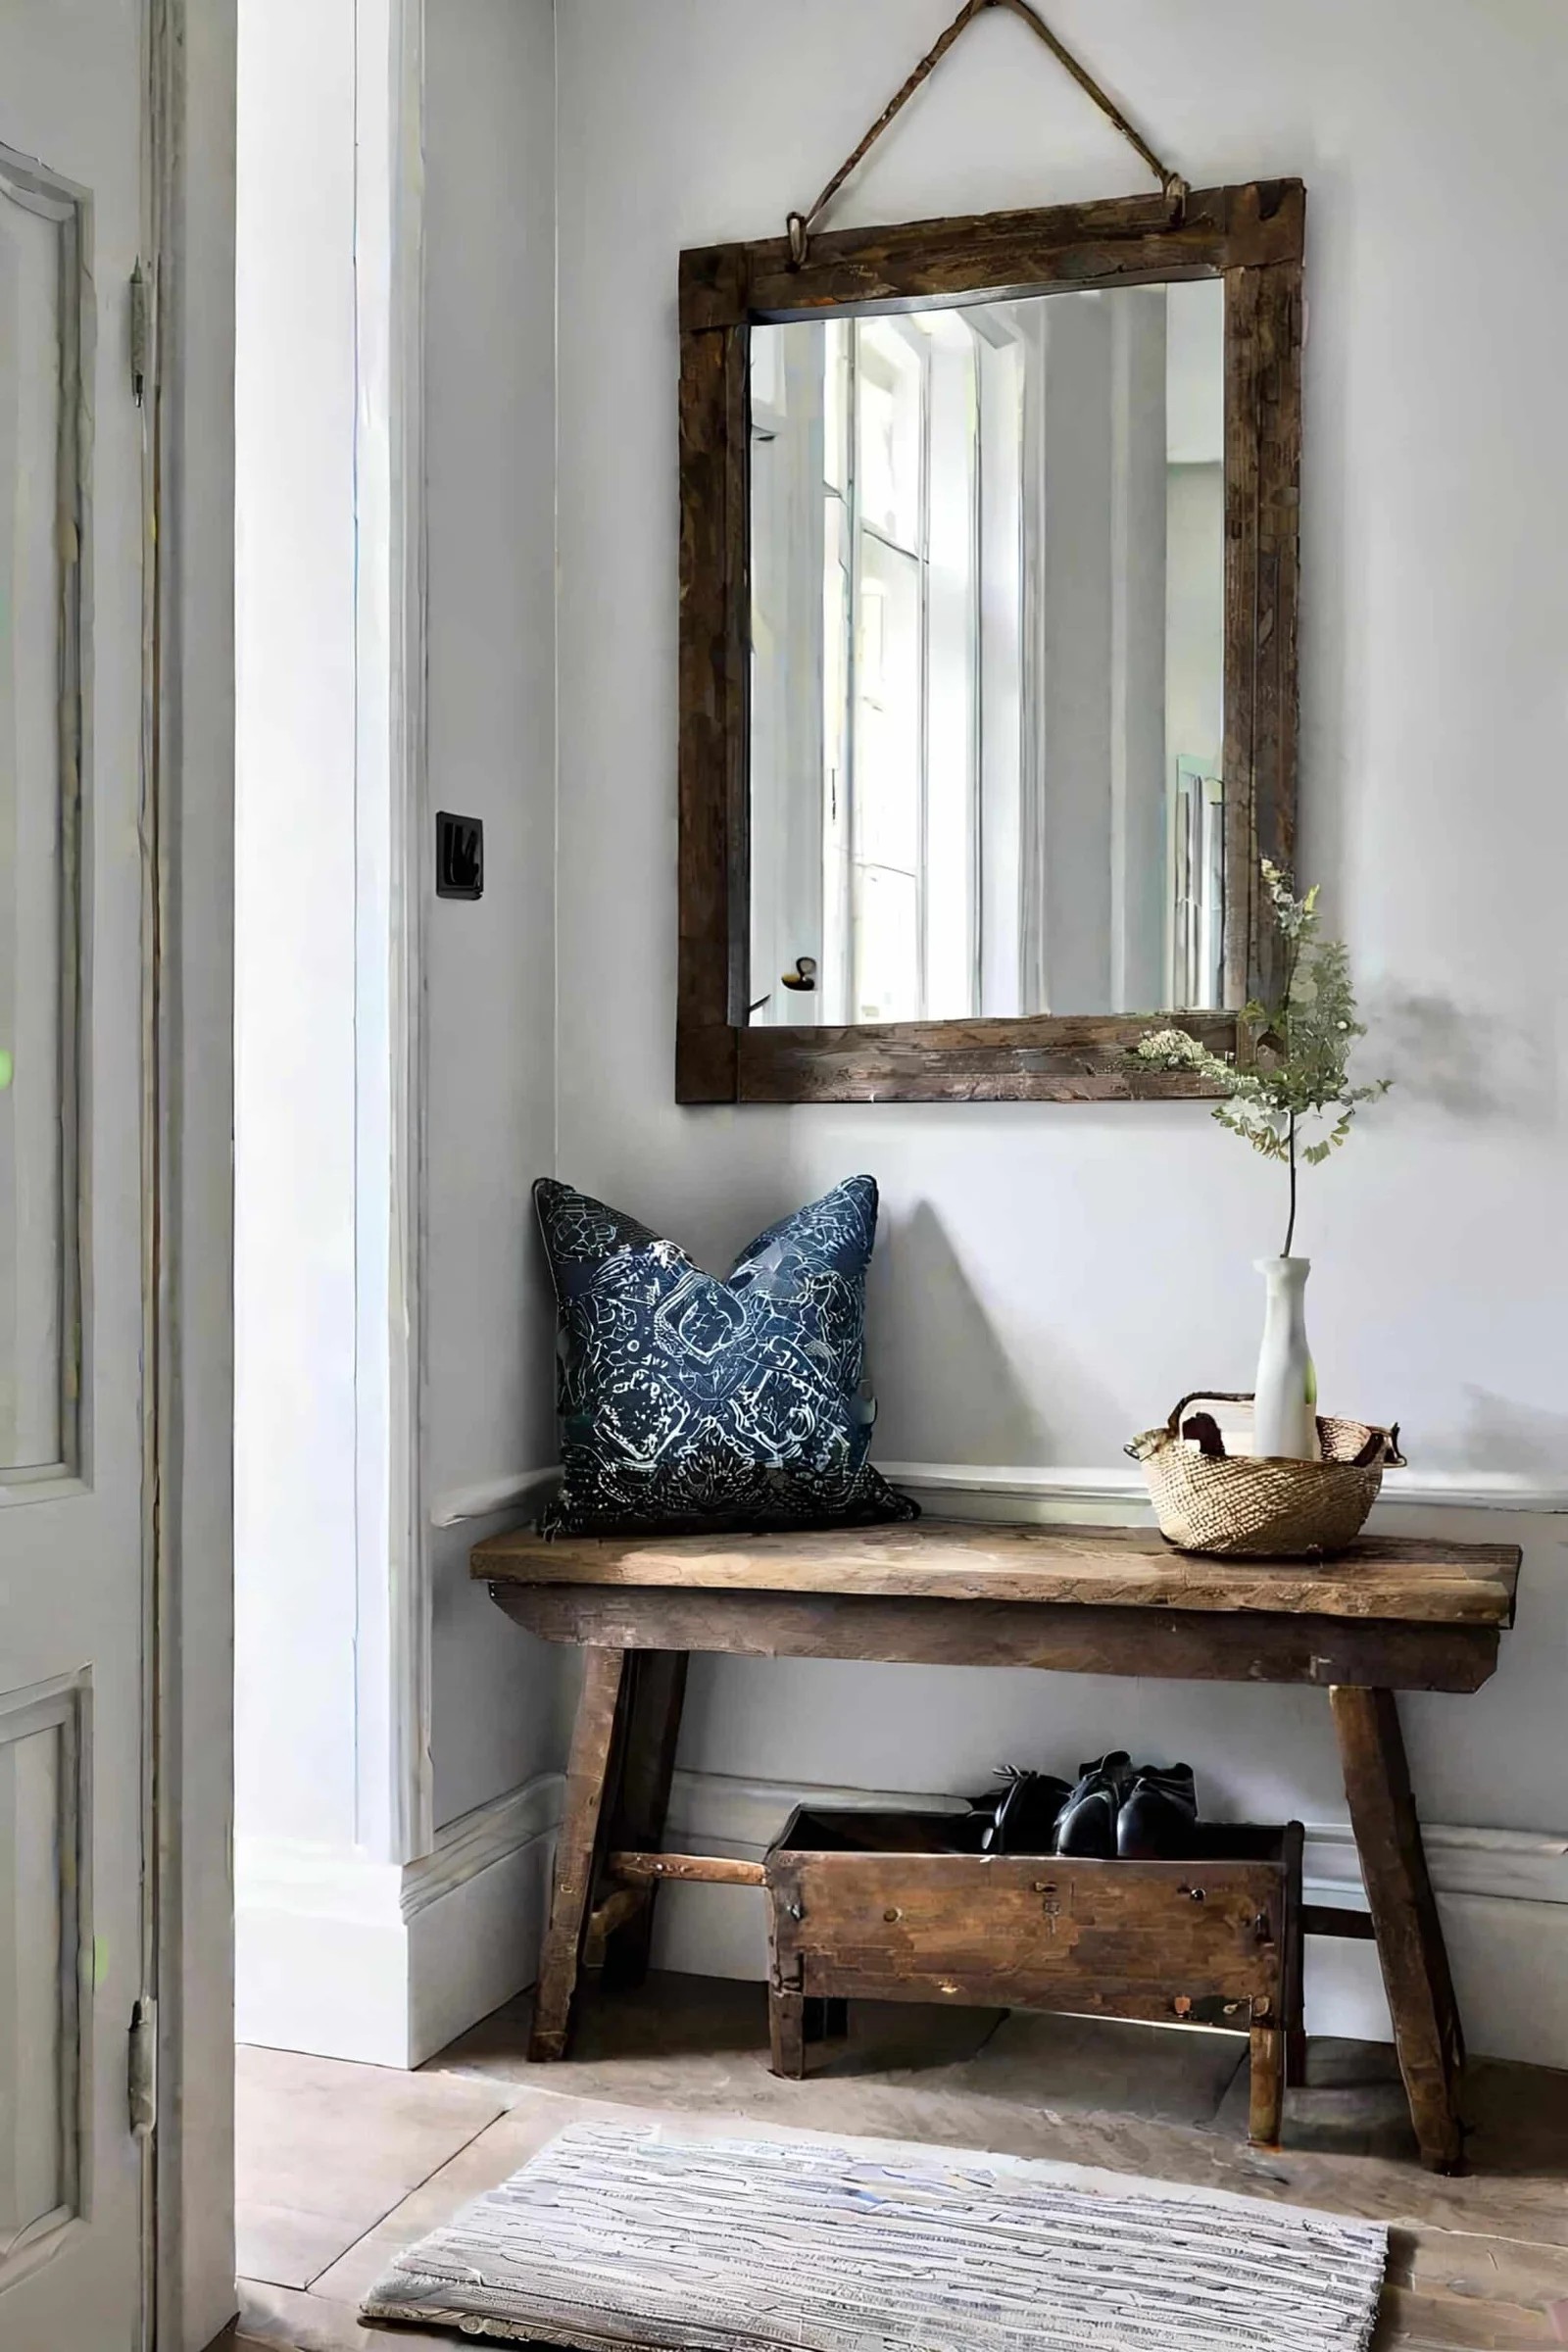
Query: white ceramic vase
point(1285, 1415)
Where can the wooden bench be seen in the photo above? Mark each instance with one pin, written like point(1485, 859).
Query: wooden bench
point(1385, 1616)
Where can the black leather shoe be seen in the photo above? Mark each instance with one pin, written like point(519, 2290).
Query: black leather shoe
point(967, 1833)
point(1088, 1822)
point(1026, 1813)
point(1158, 1814)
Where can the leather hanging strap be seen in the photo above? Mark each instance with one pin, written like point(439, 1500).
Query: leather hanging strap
point(801, 224)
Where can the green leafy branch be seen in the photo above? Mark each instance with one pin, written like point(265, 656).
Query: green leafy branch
point(1297, 1071)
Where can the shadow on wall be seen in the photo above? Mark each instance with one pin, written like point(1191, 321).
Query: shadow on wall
point(1467, 1063)
point(947, 1390)
point(1508, 1435)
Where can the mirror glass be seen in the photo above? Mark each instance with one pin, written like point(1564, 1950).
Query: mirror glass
point(987, 694)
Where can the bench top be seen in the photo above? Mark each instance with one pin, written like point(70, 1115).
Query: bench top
point(1403, 1579)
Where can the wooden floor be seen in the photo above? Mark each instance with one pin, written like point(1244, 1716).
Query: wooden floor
point(340, 2166)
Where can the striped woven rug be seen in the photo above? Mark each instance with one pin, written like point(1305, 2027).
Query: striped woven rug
point(620, 2236)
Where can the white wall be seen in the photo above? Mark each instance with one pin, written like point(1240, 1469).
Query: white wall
point(295, 861)
point(490, 1089)
point(389, 1865)
point(1049, 1279)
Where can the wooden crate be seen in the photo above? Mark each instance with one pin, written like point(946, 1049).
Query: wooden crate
point(867, 1906)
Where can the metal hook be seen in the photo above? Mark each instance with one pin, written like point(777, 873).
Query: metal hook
point(796, 227)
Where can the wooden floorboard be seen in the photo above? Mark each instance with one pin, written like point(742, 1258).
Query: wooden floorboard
point(1477, 2264)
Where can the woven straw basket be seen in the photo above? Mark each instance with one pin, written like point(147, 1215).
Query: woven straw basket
point(1259, 1507)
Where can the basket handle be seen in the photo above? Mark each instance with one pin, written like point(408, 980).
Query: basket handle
point(1393, 1458)
point(1207, 1397)
point(1151, 1441)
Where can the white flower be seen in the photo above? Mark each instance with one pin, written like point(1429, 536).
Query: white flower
point(1169, 1047)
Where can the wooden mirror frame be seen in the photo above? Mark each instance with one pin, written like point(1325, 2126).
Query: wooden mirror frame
point(1251, 236)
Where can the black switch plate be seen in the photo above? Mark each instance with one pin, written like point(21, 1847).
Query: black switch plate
point(459, 856)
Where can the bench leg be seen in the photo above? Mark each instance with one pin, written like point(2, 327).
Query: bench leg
point(1404, 1915)
point(786, 2032)
point(657, 1680)
point(577, 1848)
point(1265, 2105)
point(1293, 1987)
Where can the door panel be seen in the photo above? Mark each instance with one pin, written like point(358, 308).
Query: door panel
point(73, 1018)
point(42, 1902)
point(43, 292)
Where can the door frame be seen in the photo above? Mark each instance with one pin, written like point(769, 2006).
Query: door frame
point(188, 808)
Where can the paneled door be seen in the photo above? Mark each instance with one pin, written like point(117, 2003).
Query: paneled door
point(74, 938)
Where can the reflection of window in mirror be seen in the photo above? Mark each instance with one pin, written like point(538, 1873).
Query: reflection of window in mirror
point(986, 691)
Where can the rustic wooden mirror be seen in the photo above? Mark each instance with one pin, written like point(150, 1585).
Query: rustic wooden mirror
point(988, 646)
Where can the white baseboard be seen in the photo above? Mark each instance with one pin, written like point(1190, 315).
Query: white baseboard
point(1503, 1897)
point(320, 1954)
point(475, 1909)
point(476, 1946)
point(383, 1962)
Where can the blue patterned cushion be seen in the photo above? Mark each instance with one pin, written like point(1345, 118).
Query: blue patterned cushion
point(686, 1402)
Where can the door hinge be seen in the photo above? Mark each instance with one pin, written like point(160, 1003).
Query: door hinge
point(143, 2069)
point(140, 331)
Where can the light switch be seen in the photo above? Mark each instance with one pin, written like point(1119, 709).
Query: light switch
point(459, 856)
